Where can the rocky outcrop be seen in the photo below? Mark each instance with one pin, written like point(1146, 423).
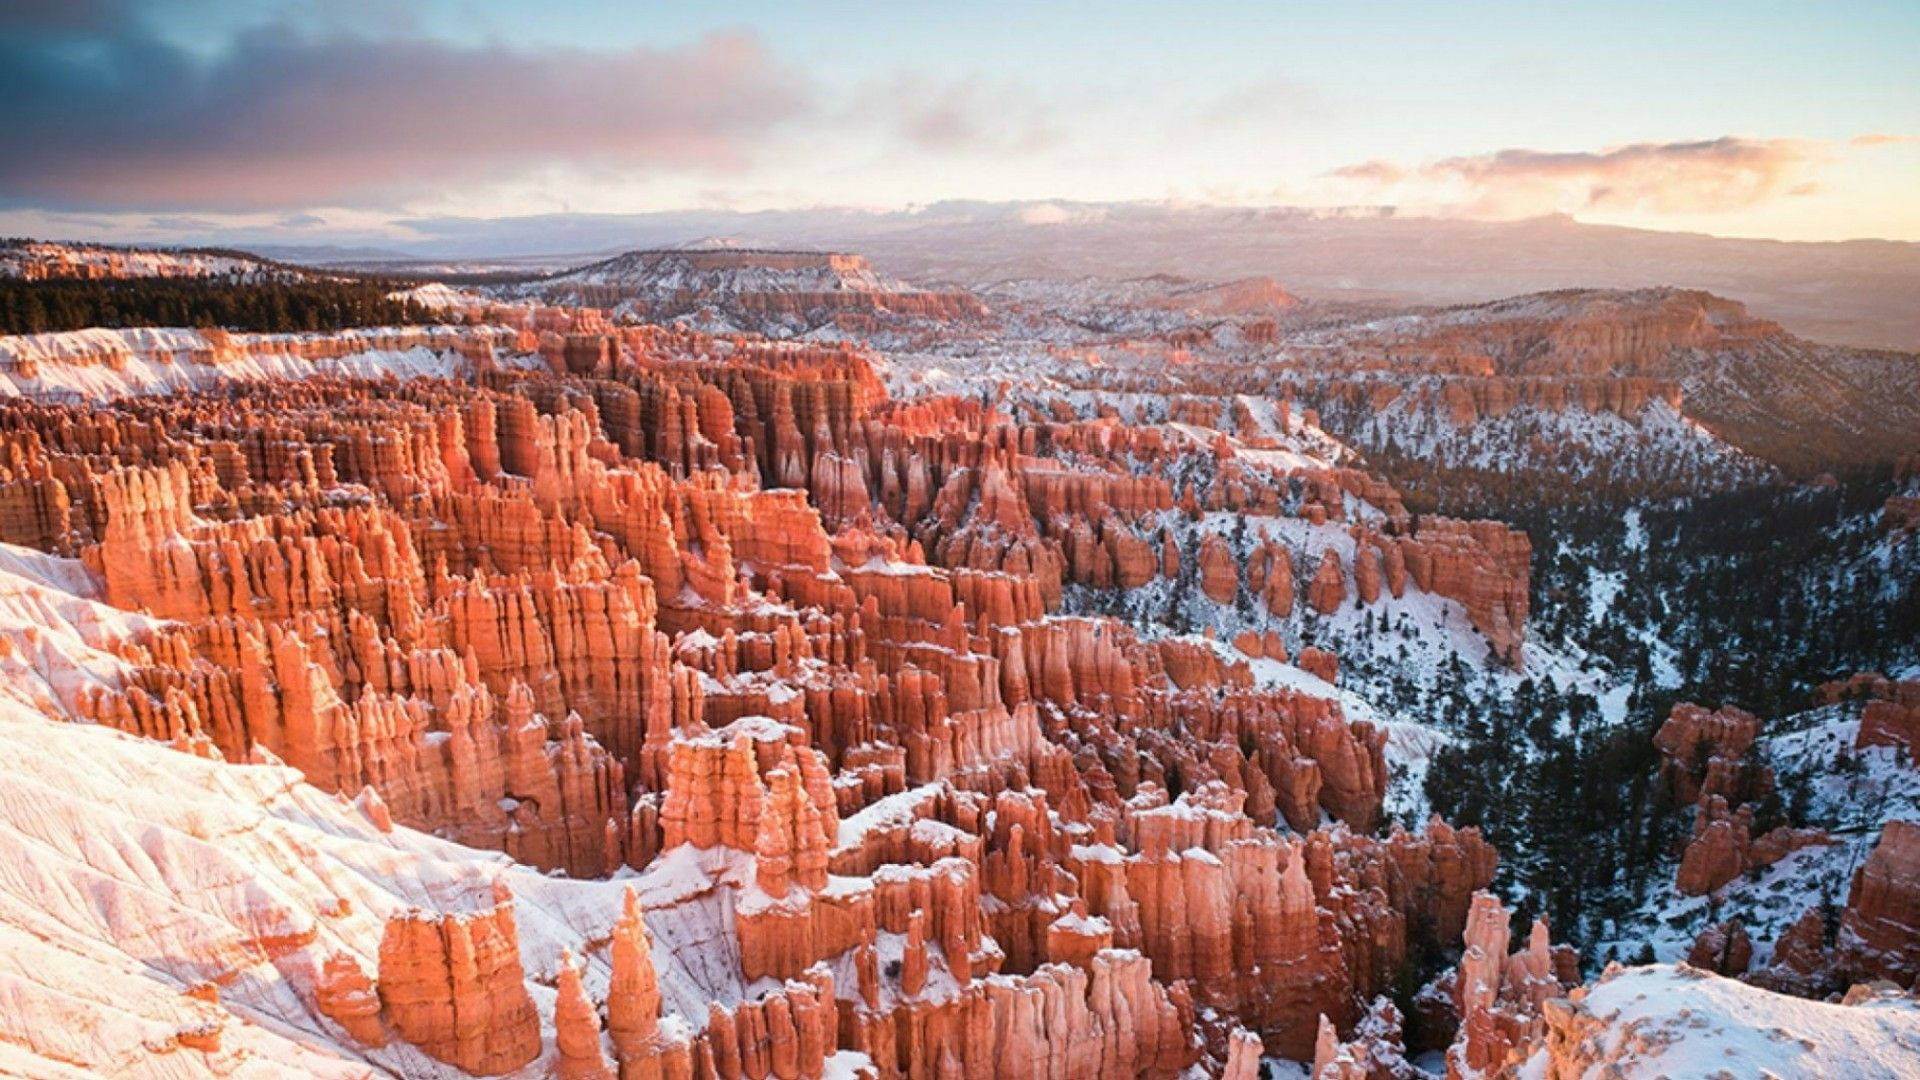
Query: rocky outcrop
point(452, 986)
point(1880, 929)
point(771, 290)
point(576, 1029)
point(1483, 565)
point(1724, 847)
point(1682, 1021)
point(1500, 999)
point(1328, 590)
point(1219, 574)
point(1722, 948)
point(1701, 751)
point(345, 995)
point(1373, 1050)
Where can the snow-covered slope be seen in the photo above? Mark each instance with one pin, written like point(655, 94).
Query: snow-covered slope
point(1678, 1023)
point(1848, 791)
point(1773, 395)
point(56, 641)
point(98, 364)
point(438, 297)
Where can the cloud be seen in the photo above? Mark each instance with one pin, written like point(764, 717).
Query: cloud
point(955, 117)
point(32, 17)
point(1883, 138)
point(1371, 172)
point(1706, 176)
point(1262, 104)
point(110, 117)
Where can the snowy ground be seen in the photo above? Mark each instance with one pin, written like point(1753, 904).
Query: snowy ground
point(1683, 1024)
point(1659, 442)
point(1853, 793)
point(94, 365)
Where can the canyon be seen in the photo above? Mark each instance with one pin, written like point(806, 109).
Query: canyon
point(722, 664)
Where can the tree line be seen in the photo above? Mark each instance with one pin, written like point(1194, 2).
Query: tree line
point(33, 307)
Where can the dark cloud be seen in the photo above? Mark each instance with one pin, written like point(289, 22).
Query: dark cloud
point(117, 119)
point(34, 17)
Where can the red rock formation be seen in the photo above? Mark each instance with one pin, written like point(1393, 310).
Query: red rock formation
point(1891, 717)
point(1219, 574)
point(1243, 1056)
point(1329, 588)
point(1320, 663)
point(1366, 573)
point(453, 987)
point(346, 996)
point(1374, 1051)
point(1499, 999)
point(1724, 847)
point(633, 994)
point(1723, 948)
point(576, 1029)
point(1700, 750)
point(1880, 929)
point(1277, 589)
point(1481, 564)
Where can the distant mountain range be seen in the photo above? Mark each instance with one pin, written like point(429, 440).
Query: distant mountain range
point(1857, 292)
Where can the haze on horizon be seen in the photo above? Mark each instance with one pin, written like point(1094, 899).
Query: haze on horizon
point(300, 122)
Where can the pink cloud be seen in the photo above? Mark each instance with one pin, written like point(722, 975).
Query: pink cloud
point(1372, 172)
point(1705, 176)
point(957, 117)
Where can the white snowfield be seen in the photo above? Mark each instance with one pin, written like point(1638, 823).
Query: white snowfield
point(1680, 1023)
point(99, 364)
point(440, 297)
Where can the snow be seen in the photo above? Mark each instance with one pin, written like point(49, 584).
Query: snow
point(134, 871)
point(439, 297)
point(1853, 793)
point(1679, 1023)
point(1083, 924)
point(892, 811)
point(72, 260)
point(99, 364)
point(56, 641)
point(664, 274)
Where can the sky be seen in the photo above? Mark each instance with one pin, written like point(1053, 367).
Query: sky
point(318, 120)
